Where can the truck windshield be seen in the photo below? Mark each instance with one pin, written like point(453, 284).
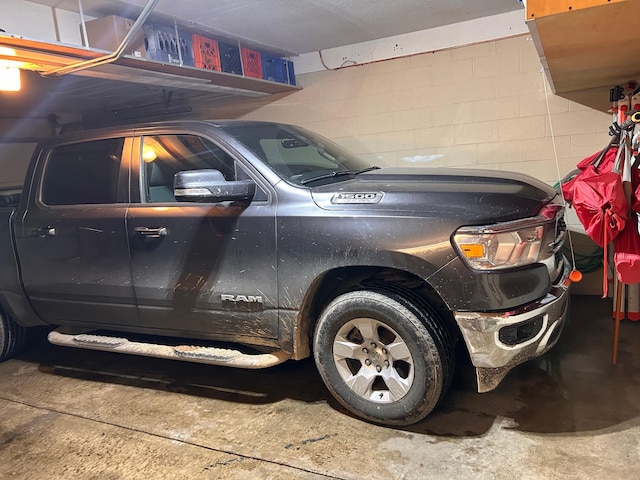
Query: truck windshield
point(297, 155)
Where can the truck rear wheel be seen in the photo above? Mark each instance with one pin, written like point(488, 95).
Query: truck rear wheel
point(12, 337)
point(384, 359)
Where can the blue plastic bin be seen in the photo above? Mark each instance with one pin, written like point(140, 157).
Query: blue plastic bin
point(277, 69)
point(162, 45)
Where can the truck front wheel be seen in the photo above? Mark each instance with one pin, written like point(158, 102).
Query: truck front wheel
point(383, 358)
point(12, 337)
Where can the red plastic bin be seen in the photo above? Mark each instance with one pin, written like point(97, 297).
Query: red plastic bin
point(251, 62)
point(206, 53)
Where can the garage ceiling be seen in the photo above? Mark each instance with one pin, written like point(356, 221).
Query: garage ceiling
point(301, 26)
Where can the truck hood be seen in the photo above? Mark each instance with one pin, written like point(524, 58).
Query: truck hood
point(471, 196)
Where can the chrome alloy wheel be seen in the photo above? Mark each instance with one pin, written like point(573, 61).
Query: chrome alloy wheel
point(373, 360)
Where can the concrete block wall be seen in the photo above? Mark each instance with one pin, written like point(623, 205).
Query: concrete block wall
point(479, 106)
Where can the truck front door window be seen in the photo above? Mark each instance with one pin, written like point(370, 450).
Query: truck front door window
point(165, 155)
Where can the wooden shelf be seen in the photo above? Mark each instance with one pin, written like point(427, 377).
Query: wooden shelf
point(586, 46)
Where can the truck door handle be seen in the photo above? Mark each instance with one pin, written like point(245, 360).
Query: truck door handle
point(147, 232)
point(43, 232)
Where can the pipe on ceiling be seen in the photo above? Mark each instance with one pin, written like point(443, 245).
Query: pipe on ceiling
point(112, 57)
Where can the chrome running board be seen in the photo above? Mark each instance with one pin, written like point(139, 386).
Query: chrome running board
point(188, 353)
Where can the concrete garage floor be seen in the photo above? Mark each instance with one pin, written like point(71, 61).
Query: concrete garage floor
point(67, 413)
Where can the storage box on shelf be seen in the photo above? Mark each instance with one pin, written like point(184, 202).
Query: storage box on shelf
point(162, 45)
point(206, 53)
point(107, 33)
point(251, 63)
point(230, 58)
point(276, 69)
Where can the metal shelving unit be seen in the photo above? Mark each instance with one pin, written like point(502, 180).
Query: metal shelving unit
point(42, 56)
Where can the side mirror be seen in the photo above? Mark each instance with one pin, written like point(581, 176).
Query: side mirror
point(210, 186)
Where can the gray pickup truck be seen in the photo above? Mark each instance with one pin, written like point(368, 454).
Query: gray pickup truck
point(249, 243)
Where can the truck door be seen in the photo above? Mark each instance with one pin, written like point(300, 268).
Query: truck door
point(71, 240)
point(201, 268)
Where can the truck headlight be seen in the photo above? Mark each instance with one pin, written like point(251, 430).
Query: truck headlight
point(509, 244)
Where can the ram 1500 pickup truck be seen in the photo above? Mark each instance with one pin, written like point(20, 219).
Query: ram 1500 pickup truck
point(250, 243)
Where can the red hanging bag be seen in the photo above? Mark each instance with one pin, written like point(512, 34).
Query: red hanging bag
point(598, 197)
point(603, 161)
point(599, 200)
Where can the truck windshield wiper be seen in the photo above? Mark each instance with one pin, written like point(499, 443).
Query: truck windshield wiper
point(338, 173)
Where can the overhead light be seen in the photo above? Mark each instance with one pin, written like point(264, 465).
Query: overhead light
point(10, 79)
point(9, 72)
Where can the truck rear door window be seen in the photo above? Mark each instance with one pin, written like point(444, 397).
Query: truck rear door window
point(83, 173)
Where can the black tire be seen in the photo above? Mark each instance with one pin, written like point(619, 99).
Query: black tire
point(384, 359)
point(12, 337)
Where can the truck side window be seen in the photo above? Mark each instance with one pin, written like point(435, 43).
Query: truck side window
point(83, 173)
point(165, 155)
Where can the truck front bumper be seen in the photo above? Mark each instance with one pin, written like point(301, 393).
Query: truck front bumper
point(497, 342)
